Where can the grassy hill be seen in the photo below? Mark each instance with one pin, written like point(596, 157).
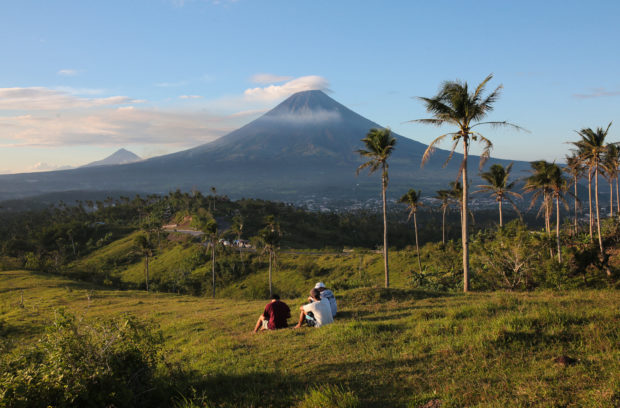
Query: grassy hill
point(397, 348)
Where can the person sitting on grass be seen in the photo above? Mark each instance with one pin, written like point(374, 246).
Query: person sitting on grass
point(274, 316)
point(317, 313)
point(327, 294)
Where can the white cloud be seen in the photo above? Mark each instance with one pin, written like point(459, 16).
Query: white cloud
point(190, 97)
point(67, 72)
point(275, 92)
point(269, 78)
point(597, 93)
point(39, 98)
point(307, 116)
point(113, 127)
point(43, 166)
point(170, 84)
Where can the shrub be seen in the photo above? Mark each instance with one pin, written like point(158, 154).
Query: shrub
point(107, 363)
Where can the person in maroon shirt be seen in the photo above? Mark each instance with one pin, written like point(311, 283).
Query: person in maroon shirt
point(274, 316)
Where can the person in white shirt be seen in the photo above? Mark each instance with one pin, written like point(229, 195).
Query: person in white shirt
point(317, 313)
point(329, 295)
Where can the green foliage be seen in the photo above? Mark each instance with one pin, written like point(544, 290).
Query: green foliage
point(109, 362)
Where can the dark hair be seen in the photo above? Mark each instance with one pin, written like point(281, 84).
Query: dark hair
point(315, 293)
point(276, 297)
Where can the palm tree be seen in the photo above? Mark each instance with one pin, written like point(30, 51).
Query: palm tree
point(446, 198)
point(204, 221)
point(611, 161)
point(455, 105)
point(270, 237)
point(145, 247)
point(379, 145)
point(575, 167)
point(499, 187)
point(539, 183)
point(591, 148)
point(558, 186)
point(412, 199)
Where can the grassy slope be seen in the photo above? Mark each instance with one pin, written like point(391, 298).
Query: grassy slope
point(391, 348)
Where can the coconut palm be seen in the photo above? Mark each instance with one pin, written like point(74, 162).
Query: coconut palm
point(270, 239)
point(591, 148)
point(558, 186)
point(379, 145)
point(455, 105)
point(204, 221)
point(499, 187)
point(611, 162)
point(539, 184)
point(575, 167)
point(446, 199)
point(412, 199)
point(145, 247)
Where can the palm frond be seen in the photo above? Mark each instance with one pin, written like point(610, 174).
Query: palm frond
point(431, 149)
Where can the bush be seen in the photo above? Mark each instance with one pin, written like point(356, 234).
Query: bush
point(108, 363)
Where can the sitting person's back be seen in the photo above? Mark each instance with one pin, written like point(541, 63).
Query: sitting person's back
point(317, 313)
point(274, 316)
point(329, 295)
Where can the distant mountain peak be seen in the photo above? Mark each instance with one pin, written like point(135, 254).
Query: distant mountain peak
point(121, 156)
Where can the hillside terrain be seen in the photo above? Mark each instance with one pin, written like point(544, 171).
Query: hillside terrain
point(397, 348)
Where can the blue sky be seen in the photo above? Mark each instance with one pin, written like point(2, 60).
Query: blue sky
point(80, 79)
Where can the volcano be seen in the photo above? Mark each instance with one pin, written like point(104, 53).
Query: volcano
point(304, 147)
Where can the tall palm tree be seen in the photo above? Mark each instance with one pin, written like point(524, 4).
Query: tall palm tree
point(412, 199)
point(591, 148)
point(145, 247)
point(558, 186)
point(270, 237)
point(455, 105)
point(611, 162)
point(446, 199)
point(539, 184)
point(379, 145)
point(204, 221)
point(499, 187)
point(575, 167)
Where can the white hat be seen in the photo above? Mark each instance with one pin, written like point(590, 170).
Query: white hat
point(319, 285)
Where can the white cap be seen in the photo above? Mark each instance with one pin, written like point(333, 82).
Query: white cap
point(319, 285)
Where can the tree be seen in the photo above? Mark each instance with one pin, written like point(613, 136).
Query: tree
point(558, 186)
point(499, 187)
point(591, 148)
point(455, 105)
point(539, 184)
point(611, 162)
point(412, 199)
point(214, 192)
point(575, 167)
point(446, 198)
point(379, 145)
point(270, 239)
point(145, 247)
point(204, 221)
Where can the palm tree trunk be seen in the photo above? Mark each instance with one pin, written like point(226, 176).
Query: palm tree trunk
point(385, 240)
point(270, 263)
point(611, 197)
point(617, 197)
point(501, 218)
point(146, 263)
point(590, 202)
point(464, 232)
point(575, 220)
point(417, 247)
point(213, 269)
point(557, 228)
point(443, 227)
point(598, 219)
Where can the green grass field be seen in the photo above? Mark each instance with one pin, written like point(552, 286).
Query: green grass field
point(388, 348)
